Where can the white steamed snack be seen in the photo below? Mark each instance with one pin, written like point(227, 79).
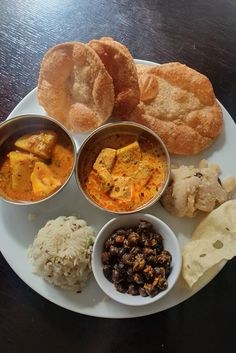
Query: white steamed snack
point(61, 252)
point(194, 189)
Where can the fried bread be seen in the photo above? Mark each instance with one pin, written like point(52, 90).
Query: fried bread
point(74, 87)
point(121, 67)
point(179, 104)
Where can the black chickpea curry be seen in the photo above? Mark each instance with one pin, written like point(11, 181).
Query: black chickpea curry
point(124, 179)
point(36, 165)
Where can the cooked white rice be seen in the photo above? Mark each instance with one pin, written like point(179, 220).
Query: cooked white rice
point(61, 252)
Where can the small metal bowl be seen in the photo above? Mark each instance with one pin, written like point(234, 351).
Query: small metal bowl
point(24, 124)
point(92, 146)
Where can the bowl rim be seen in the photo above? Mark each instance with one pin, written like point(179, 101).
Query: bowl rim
point(114, 124)
point(98, 274)
point(11, 120)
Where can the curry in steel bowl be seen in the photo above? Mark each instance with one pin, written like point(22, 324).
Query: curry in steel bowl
point(36, 160)
point(122, 167)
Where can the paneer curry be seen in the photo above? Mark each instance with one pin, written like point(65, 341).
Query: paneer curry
point(35, 165)
point(125, 178)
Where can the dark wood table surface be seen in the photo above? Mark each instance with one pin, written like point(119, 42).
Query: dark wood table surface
point(201, 34)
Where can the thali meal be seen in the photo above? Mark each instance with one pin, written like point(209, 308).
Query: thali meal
point(34, 165)
point(128, 175)
point(179, 104)
point(82, 86)
point(213, 240)
point(134, 259)
point(61, 252)
point(194, 189)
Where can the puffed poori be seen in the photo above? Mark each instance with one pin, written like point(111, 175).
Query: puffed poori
point(179, 104)
point(74, 87)
point(83, 85)
point(121, 67)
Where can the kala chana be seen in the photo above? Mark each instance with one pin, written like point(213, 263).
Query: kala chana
point(134, 259)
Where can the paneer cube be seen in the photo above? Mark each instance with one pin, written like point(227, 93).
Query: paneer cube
point(43, 180)
point(105, 178)
point(122, 189)
point(41, 144)
point(130, 153)
point(22, 165)
point(105, 159)
point(143, 174)
point(62, 159)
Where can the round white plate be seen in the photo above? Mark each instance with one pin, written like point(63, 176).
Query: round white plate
point(17, 232)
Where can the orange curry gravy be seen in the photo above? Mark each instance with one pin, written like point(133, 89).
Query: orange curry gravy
point(142, 190)
point(58, 167)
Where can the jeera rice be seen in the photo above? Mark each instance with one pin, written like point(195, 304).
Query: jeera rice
point(61, 252)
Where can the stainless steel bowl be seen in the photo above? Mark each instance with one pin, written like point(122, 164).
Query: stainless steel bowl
point(23, 124)
point(86, 156)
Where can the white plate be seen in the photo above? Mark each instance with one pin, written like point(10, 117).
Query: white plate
point(17, 233)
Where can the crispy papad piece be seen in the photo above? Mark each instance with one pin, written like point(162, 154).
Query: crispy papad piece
point(213, 241)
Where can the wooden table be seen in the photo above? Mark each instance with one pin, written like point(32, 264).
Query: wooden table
point(201, 34)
